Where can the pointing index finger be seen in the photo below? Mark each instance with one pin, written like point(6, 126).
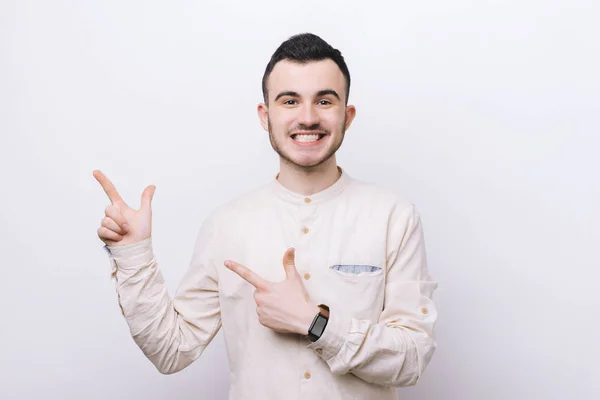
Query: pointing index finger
point(248, 275)
point(108, 187)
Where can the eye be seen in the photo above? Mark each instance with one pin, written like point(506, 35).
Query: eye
point(290, 102)
point(324, 102)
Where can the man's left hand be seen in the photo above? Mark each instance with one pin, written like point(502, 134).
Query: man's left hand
point(282, 306)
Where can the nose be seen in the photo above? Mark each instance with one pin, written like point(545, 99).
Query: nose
point(308, 115)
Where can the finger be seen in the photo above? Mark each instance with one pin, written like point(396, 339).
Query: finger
point(107, 234)
point(147, 196)
point(109, 223)
point(113, 213)
point(289, 263)
point(248, 275)
point(108, 187)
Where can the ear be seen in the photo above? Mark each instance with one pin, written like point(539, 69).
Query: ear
point(263, 115)
point(350, 114)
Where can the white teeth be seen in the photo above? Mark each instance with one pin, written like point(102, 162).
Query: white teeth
point(307, 138)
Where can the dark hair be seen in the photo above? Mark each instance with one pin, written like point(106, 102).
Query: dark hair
point(302, 48)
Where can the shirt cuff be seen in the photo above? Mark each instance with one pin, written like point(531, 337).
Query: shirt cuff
point(334, 335)
point(130, 256)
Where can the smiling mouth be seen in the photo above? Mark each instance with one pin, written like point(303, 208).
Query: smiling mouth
point(307, 137)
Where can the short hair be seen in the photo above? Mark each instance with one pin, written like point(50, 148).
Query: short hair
point(303, 48)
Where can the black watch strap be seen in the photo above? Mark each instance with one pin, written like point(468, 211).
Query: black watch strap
point(319, 323)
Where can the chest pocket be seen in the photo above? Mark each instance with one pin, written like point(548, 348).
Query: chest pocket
point(356, 269)
point(358, 289)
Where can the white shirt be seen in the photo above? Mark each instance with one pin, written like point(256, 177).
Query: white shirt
point(360, 250)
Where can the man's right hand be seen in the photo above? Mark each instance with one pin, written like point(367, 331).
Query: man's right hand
point(122, 224)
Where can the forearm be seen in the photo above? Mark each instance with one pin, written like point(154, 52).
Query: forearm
point(383, 353)
point(156, 326)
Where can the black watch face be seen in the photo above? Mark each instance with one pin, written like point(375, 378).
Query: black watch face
point(319, 325)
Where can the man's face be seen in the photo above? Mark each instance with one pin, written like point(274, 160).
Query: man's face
point(306, 115)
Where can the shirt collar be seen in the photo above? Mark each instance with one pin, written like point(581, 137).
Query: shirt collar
point(320, 197)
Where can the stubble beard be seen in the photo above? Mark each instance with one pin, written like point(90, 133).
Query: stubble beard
point(312, 166)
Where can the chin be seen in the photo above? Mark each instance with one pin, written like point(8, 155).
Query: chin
point(309, 163)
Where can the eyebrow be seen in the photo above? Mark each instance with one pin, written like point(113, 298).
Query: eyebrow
point(319, 94)
point(288, 93)
point(328, 91)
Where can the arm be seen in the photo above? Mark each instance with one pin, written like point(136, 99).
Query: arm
point(395, 350)
point(172, 333)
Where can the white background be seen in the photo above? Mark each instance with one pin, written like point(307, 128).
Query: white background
point(483, 113)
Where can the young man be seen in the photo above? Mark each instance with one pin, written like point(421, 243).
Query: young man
point(347, 312)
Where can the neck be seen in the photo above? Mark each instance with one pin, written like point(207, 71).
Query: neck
point(308, 181)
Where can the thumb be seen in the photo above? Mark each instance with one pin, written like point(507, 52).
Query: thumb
point(289, 263)
point(147, 196)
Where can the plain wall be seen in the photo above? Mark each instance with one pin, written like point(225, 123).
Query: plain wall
point(483, 113)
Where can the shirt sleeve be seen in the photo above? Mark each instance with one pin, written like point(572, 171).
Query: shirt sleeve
point(171, 332)
point(396, 349)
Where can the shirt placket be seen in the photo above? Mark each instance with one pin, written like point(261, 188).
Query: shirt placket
point(307, 228)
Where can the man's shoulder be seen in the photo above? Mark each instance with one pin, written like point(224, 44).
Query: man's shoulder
point(380, 195)
point(364, 194)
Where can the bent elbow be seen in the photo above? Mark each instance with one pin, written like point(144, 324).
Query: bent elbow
point(168, 368)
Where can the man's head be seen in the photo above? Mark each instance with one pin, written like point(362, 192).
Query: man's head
point(305, 88)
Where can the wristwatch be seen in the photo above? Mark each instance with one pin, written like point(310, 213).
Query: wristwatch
point(319, 323)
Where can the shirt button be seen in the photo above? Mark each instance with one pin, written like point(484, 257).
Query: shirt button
point(305, 230)
point(307, 200)
point(424, 310)
point(319, 351)
point(307, 375)
point(307, 276)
